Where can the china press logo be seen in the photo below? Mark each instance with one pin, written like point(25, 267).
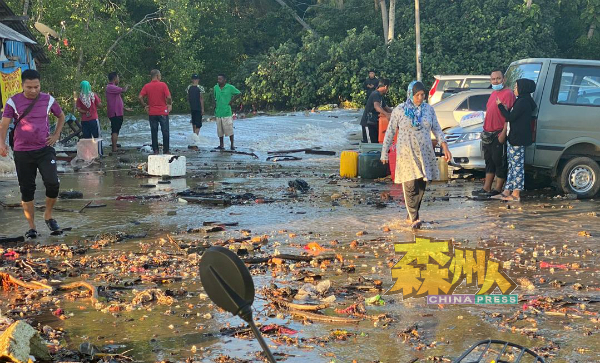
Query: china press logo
point(434, 269)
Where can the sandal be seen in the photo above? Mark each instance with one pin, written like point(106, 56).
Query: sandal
point(499, 196)
point(31, 234)
point(219, 148)
point(52, 225)
point(511, 198)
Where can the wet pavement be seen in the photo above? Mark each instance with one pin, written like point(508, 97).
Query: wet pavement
point(543, 231)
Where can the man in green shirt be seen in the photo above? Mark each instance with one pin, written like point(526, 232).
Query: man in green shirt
point(224, 97)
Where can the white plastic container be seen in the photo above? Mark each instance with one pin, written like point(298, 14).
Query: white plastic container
point(171, 165)
point(89, 149)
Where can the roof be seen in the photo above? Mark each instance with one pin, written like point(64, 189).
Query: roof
point(20, 27)
point(11, 34)
point(558, 60)
point(456, 76)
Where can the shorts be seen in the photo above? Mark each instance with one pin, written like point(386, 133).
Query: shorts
point(196, 118)
point(90, 129)
point(225, 126)
point(495, 159)
point(115, 124)
point(28, 163)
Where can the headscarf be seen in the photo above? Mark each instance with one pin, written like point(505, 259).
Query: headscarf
point(85, 94)
point(414, 113)
point(526, 87)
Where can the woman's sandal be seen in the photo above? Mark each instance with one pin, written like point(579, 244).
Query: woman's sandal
point(498, 196)
point(511, 198)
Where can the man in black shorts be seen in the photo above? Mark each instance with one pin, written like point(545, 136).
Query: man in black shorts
point(114, 104)
point(195, 93)
point(32, 145)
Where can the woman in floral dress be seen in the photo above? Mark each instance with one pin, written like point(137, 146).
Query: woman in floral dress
point(414, 120)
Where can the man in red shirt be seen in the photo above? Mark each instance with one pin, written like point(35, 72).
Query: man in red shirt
point(494, 136)
point(158, 107)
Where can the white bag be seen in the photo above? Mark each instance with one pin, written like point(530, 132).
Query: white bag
point(89, 149)
point(471, 119)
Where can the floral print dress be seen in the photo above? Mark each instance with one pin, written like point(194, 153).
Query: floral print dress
point(415, 157)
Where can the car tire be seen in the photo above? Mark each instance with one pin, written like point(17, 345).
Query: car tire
point(581, 176)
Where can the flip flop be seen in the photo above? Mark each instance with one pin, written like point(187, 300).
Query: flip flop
point(31, 234)
point(511, 198)
point(52, 225)
point(219, 148)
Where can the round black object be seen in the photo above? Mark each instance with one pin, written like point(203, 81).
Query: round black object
point(226, 280)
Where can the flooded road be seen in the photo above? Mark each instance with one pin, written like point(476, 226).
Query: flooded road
point(357, 221)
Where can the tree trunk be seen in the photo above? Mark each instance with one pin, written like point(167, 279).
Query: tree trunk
point(591, 31)
point(529, 2)
point(298, 18)
point(25, 7)
point(384, 19)
point(392, 20)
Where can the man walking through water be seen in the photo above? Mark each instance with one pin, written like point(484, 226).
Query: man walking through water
point(224, 97)
point(115, 107)
point(195, 94)
point(158, 107)
point(32, 145)
point(493, 137)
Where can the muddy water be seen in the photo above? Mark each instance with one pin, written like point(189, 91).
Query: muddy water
point(158, 332)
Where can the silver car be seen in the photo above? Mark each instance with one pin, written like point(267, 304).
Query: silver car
point(465, 145)
point(450, 111)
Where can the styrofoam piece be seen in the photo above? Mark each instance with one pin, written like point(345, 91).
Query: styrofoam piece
point(170, 165)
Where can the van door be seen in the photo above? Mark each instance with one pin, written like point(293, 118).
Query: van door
point(537, 72)
point(569, 111)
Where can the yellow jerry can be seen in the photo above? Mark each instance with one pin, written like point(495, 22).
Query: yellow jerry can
point(349, 164)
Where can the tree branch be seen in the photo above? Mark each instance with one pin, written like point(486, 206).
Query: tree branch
point(148, 18)
point(298, 18)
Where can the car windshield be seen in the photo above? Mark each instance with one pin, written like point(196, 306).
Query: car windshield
point(526, 70)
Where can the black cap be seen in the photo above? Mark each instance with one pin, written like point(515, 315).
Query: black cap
point(195, 76)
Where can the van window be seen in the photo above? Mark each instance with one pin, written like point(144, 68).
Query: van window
point(577, 85)
point(527, 70)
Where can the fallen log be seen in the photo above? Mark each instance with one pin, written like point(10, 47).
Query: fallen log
point(12, 239)
point(294, 306)
point(319, 152)
point(277, 158)
point(325, 318)
point(287, 257)
point(77, 284)
point(236, 152)
point(6, 280)
point(227, 224)
point(209, 201)
point(287, 151)
point(85, 206)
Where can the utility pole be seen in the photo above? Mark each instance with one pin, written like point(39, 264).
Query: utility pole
point(418, 39)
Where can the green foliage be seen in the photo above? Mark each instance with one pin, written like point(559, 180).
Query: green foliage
point(269, 56)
